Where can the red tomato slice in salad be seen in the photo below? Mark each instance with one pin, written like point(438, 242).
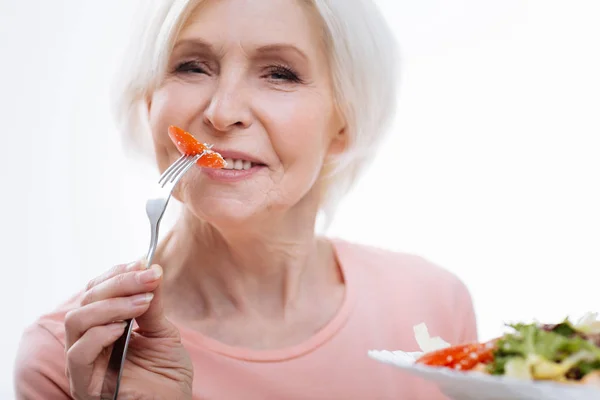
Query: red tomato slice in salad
point(463, 357)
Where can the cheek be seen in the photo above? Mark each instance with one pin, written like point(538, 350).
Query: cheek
point(299, 128)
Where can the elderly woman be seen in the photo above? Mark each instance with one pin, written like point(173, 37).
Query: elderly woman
point(246, 301)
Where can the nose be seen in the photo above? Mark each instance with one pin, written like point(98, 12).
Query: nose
point(228, 108)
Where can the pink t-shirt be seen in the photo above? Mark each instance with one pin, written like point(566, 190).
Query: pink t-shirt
point(387, 294)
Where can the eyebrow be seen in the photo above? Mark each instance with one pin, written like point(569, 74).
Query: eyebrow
point(194, 44)
point(281, 48)
point(266, 50)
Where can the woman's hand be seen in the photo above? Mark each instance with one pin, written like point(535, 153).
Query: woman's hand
point(157, 367)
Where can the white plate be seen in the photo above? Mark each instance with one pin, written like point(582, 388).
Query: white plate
point(477, 386)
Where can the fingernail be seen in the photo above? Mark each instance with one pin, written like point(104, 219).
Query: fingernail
point(150, 275)
point(142, 299)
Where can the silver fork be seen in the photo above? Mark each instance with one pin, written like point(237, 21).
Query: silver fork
point(155, 209)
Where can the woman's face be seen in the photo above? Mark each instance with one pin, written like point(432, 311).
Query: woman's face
point(252, 78)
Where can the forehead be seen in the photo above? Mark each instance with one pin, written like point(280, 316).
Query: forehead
point(255, 23)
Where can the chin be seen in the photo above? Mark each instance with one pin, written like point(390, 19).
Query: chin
point(225, 212)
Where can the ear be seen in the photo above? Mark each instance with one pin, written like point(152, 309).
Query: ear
point(339, 142)
point(148, 99)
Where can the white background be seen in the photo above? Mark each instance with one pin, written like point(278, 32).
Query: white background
point(492, 169)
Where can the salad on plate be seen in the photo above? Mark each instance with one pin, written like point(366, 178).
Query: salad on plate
point(531, 361)
point(565, 352)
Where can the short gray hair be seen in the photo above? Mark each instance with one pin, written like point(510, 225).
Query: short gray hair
point(364, 67)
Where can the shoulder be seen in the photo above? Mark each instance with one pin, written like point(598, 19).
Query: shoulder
point(39, 370)
point(393, 266)
point(422, 290)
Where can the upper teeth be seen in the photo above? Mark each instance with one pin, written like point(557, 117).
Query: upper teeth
point(237, 164)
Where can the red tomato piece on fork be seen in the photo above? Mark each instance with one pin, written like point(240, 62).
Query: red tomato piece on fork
point(185, 142)
point(211, 160)
point(189, 146)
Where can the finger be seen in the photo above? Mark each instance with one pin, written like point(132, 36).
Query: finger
point(154, 323)
point(124, 284)
point(114, 271)
point(83, 354)
point(103, 312)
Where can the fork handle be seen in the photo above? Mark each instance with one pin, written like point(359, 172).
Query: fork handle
point(153, 244)
point(116, 362)
point(112, 379)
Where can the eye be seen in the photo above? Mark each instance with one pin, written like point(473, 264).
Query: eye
point(280, 73)
point(195, 67)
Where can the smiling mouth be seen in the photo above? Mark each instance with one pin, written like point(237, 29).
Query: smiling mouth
point(238, 164)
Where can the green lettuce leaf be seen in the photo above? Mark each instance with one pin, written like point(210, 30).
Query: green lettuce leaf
point(541, 348)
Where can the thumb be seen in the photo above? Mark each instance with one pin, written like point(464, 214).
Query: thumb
point(153, 322)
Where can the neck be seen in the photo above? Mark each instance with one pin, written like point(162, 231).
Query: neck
point(262, 268)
